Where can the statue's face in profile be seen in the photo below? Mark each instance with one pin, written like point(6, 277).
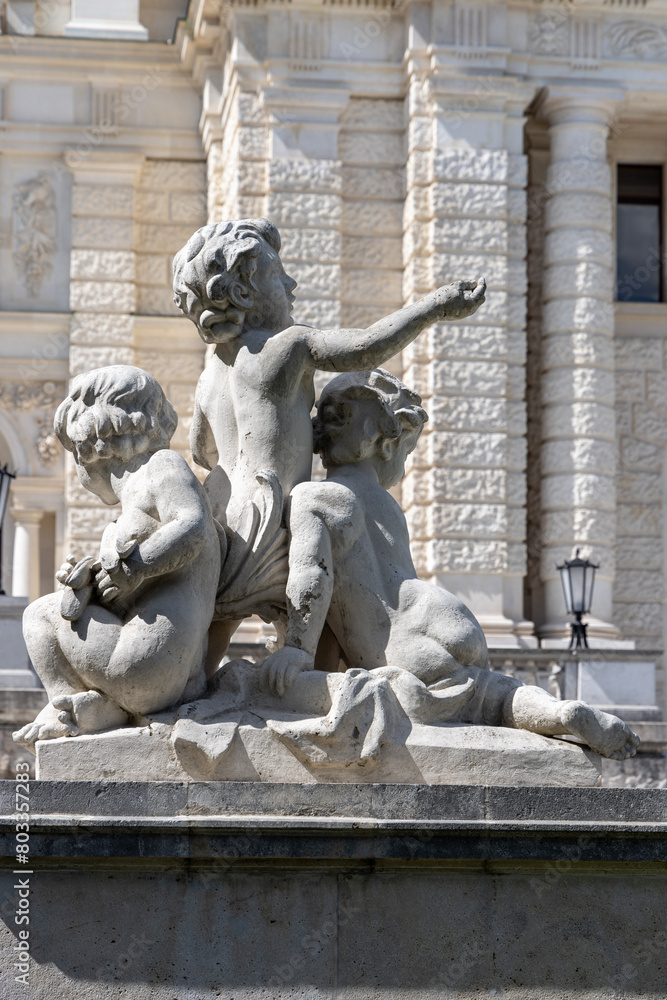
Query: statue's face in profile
point(96, 478)
point(272, 302)
point(393, 453)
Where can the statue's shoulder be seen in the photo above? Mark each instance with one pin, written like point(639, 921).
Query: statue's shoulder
point(339, 506)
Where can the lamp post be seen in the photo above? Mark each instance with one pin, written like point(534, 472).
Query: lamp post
point(5, 478)
point(578, 576)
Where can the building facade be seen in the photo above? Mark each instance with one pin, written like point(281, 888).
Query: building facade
point(397, 145)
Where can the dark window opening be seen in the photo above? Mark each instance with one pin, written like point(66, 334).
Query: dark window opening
point(639, 262)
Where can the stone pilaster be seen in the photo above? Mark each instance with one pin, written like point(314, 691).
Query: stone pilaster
point(102, 300)
point(578, 493)
point(466, 209)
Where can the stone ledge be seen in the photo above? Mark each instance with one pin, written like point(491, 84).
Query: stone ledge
point(207, 822)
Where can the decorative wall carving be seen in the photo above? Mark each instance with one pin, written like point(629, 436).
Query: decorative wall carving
point(35, 221)
point(548, 34)
point(637, 40)
point(31, 395)
point(47, 444)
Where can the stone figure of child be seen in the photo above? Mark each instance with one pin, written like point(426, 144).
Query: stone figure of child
point(353, 592)
point(254, 399)
point(128, 634)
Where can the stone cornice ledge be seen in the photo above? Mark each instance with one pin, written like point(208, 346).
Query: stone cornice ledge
point(237, 821)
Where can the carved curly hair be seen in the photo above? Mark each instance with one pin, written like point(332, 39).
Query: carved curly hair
point(213, 275)
point(115, 412)
point(358, 409)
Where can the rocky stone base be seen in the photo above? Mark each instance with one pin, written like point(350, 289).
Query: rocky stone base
point(443, 754)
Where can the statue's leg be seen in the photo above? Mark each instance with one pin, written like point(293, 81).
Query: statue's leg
point(219, 636)
point(532, 708)
point(44, 630)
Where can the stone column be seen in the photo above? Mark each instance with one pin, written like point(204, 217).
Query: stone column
point(578, 498)
point(26, 570)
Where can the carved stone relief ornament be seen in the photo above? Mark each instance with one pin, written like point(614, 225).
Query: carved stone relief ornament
point(30, 395)
point(35, 222)
point(548, 34)
point(637, 40)
point(47, 444)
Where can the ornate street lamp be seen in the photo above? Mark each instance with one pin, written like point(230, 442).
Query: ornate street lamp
point(578, 576)
point(5, 477)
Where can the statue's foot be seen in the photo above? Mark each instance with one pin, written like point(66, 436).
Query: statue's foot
point(604, 733)
point(90, 711)
point(49, 725)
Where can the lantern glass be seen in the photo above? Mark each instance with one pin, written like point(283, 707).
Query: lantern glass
point(577, 573)
point(567, 589)
point(578, 577)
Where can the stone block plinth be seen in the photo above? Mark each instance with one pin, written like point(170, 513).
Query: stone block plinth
point(252, 890)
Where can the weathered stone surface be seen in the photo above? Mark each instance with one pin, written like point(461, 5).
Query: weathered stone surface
point(372, 218)
point(311, 244)
point(470, 234)
point(83, 359)
point(578, 244)
point(570, 210)
point(383, 287)
point(479, 378)
point(582, 278)
point(637, 353)
point(293, 208)
point(481, 413)
point(469, 484)
point(102, 233)
point(455, 755)
point(153, 269)
point(102, 329)
point(465, 449)
point(154, 300)
point(579, 455)
point(578, 419)
point(376, 113)
point(373, 182)
point(577, 348)
point(454, 555)
point(316, 176)
point(634, 486)
point(102, 265)
point(471, 165)
point(485, 200)
point(103, 199)
point(578, 490)
point(371, 252)
point(102, 296)
point(561, 384)
point(371, 148)
point(462, 341)
point(183, 174)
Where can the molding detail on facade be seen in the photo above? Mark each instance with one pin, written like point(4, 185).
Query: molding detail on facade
point(35, 222)
point(637, 40)
point(31, 395)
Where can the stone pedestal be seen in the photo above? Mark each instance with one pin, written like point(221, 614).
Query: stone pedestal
point(395, 891)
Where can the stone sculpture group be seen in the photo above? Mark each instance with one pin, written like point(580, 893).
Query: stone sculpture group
point(366, 650)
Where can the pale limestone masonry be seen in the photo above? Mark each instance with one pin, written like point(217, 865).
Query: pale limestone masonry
point(396, 145)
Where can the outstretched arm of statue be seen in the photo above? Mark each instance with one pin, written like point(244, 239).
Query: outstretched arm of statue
point(359, 350)
point(309, 590)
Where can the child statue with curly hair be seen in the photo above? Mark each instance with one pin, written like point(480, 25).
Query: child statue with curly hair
point(353, 592)
point(254, 398)
point(128, 633)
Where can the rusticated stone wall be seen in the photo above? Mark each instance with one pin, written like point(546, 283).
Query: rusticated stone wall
point(641, 414)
